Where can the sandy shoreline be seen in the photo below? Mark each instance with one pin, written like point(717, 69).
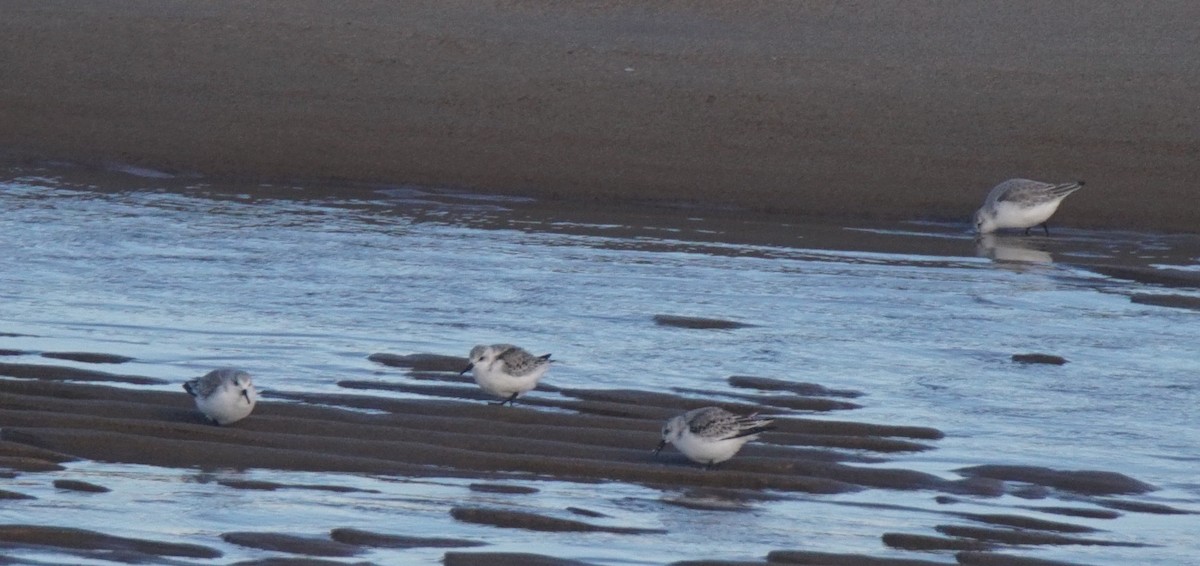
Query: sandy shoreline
point(48, 418)
point(847, 110)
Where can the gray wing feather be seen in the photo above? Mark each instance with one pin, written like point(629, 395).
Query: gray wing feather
point(1026, 192)
point(210, 382)
point(1063, 189)
point(202, 386)
point(706, 421)
point(520, 362)
point(717, 422)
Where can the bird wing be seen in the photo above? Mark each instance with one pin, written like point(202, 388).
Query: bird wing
point(750, 425)
point(519, 361)
point(1031, 193)
point(715, 422)
point(1021, 191)
point(202, 386)
point(709, 420)
point(1063, 189)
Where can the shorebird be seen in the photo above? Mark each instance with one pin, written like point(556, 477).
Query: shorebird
point(225, 395)
point(1021, 203)
point(711, 435)
point(506, 371)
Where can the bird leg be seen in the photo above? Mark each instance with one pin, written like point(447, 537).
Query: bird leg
point(511, 400)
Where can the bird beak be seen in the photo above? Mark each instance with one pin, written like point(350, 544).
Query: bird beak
point(467, 369)
point(246, 394)
point(661, 445)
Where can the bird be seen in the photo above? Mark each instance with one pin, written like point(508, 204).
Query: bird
point(224, 395)
point(711, 435)
point(1022, 203)
point(506, 371)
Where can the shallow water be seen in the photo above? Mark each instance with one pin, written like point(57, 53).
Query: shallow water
point(298, 285)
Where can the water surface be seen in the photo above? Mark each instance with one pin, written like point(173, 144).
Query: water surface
point(299, 284)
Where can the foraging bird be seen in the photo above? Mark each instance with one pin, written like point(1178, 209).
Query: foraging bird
point(711, 435)
point(1021, 203)
point(506, 371)
point(225, 395)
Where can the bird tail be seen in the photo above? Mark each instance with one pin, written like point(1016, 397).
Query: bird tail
point(1064, 189)
point(753, 425)
point(190, 388)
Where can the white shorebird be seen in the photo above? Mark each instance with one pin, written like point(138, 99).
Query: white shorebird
point(711, 435)
point(506, 371)
point(225, 395)
point(1021, 203)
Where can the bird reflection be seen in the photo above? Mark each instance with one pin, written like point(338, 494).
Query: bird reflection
point(1012, 250)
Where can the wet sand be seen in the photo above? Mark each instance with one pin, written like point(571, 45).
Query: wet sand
point(863, 110)
point(60, 414)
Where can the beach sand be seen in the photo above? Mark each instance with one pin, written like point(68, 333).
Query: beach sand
point(863, 110)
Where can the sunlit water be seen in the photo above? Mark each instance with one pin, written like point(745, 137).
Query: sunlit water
point(298, 287)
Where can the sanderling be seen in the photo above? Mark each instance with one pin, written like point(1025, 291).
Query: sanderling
point(1021, 203)
point(224, 395)
point(506, 371)
point(711, 435)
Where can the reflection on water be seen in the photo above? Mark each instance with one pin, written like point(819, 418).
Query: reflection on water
point(1007, 249)
point(299, 285)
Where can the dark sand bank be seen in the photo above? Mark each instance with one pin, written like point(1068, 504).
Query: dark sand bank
point(47, 420)
point(88, 542)
point(847, 110)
